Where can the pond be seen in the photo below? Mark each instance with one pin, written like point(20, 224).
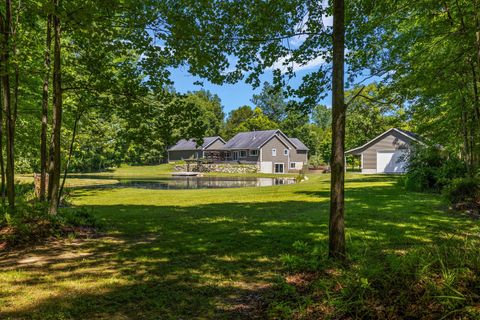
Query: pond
point(180, 182)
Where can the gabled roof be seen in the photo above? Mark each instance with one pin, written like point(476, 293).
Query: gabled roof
point(250, 140)
point(256, 140)
point(410, 135)
point(191, 144)
point(298, 144)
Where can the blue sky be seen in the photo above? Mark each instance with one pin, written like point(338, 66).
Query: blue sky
point(234, 95)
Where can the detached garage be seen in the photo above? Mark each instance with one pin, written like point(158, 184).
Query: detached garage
point(386, 153)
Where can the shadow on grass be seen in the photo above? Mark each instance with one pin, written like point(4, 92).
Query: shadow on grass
point(207, 261)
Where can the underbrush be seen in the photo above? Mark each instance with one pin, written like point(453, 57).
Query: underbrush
point(31, 222)
point(464, 194)
point(432, 282)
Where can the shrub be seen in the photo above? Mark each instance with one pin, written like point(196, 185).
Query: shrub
point(316, 161)
point(32, 223)
point(463, 190)
point(431, 169)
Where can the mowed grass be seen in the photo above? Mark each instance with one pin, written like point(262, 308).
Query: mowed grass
point(209, 254)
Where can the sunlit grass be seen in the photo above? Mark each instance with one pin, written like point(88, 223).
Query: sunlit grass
point(198, 253)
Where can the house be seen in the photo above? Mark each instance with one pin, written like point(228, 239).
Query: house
point(386, 153)
point(271, 150)
point(188, 149)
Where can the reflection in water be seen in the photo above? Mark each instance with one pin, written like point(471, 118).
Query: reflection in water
point(198, 183)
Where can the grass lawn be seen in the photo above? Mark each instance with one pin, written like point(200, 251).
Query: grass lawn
point(217, 253)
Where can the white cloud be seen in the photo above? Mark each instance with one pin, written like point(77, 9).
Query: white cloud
point(327, 20)
point(297, 41)
point(312, 64)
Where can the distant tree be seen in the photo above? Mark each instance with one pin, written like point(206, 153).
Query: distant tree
point(324, 148)
point(259, 121)
point(322, 116)
point(212, 108)
point(272, 102)
point(297, 124)
point(235, 118)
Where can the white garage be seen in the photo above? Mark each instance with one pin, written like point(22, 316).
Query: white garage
point(386, 153)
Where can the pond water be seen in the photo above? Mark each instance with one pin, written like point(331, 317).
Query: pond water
point(176, 183)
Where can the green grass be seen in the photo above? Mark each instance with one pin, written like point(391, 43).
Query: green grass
point(231, 253)
point(126, 171)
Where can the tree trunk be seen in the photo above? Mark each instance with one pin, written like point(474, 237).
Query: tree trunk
point(43, 135)
point(55, 167)
point(70, 152)
point(2, 160)
point(5, 25)
point(337, 223)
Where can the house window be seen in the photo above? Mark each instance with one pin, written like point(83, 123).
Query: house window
point(243, 154)
point(254, 152)
point(227, 154)
point(285, 152)
point(292, 165)
point(274, 152)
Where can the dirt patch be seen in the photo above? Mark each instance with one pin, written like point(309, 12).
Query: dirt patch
point(51, 252)
point(302, 281)
point(249, 305)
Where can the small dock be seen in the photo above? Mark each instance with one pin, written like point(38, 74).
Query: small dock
point(186, 174)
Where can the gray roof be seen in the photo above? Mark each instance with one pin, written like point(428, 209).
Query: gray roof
point(256, 139)
point(249, 140)
point(410, 135)
point(191, 144)
point(298, 144)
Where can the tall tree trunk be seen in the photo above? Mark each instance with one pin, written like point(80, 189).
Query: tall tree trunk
point(55, 173)
point(70, 152)
point(6, 25)
point(337, 201)
point(43, 135)
point(2, 160)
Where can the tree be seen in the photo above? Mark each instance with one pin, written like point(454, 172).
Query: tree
point(369, 115)
point(296, 124)
point(55, 159)
point(272, 102)
point(5, 29)
point(258, 122)
point(322, 116)
point(337, 164)
point(45, 94)
point(212, 110)
point(235, 118)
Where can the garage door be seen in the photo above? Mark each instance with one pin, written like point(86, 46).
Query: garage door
point(391, 161)
point(266, 167)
